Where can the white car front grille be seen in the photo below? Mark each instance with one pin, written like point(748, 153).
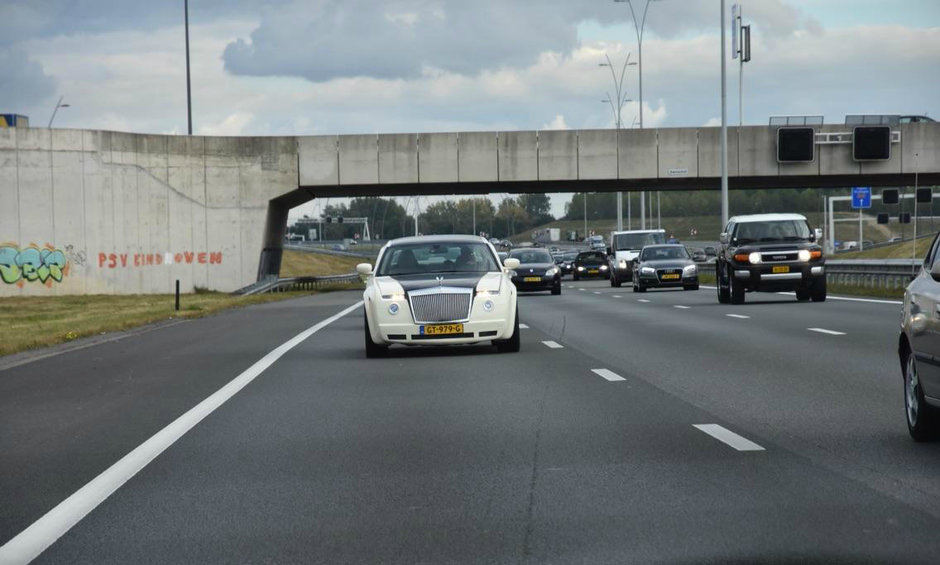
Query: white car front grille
point(440, 304)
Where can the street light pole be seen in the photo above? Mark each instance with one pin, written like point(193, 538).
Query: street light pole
point(58, 105)
point(724, 124)
point(189, 100)
point(621, 100)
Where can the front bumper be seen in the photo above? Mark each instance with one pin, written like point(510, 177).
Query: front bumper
point(763, 278)
point(653, 281)
point(587, 274)
point(544, 283)
point(473, 332)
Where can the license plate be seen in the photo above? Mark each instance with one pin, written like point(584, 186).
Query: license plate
point(781, 269)
point(532, 279)
point(592, 271)
point(670, 276)
point(442, 329)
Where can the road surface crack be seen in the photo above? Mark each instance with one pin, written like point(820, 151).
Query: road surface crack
point(527, 538)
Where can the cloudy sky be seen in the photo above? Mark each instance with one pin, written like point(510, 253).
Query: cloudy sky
point(363, 66)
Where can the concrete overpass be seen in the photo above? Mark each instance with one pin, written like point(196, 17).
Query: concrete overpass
point(106, 212)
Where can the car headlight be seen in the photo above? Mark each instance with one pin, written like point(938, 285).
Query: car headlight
point(551, 272)
point(804, 255)
point(754, 258)
point(623, 264)
point(393, 308)
point(488, 305)
point(689, 270)
point(603, 267)
point(580, 268)
point(647, 271)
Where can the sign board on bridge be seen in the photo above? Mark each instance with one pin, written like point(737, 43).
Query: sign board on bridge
point(861, 197)
point(683, 172)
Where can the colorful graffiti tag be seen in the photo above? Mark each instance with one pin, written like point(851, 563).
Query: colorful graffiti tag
point(45, 265)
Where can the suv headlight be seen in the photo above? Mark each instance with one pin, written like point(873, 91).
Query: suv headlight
point(648, 271)
point(804, 255)
point(754, 258)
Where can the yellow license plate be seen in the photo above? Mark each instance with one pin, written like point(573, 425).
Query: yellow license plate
point(532, 279)
point(442, 329)
point(672, 276)
point(592, 271)
point(782, 269)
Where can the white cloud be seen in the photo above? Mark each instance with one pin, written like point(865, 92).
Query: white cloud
point(234, 124)
point(712, 122)
point(558, 122)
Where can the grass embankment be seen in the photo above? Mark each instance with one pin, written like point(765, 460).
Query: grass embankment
point(708, 278)
point(901, 250)
point(304, 264)
point(28, 322)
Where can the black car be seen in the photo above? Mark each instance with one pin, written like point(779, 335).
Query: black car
point(770, 253)
point(567, 263)
point(664, 266)
point(536, 271)
point(698, 255)
point(711, 251)
point(591, 264)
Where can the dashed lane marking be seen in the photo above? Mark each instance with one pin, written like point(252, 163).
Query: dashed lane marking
point(595, 292)
point(523, 327)
point(728, 437)
point(553, 344)
point(642, 300)
point(608, 374)
point(617, 296)
point(825, 331)
point(738, 316)
point(681, 307)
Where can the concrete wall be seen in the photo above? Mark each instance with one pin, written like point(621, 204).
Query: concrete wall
point(92, 212)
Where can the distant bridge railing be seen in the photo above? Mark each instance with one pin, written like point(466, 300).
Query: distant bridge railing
point(274, 284)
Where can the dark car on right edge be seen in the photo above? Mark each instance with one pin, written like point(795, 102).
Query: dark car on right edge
point(770, 253)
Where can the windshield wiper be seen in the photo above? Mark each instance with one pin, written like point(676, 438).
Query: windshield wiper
point(794, 238)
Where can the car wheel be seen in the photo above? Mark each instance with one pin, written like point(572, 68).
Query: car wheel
point(614, 281)
point(556, 289)
point(802, 294)
point(737, 290)
point(373, 349)
point(513, 344)
point(818, 292)
point(724, 294)
point(921, 419)
point(638, 286)
point(576, 277)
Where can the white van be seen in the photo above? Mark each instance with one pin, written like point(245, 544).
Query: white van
point(624, 248)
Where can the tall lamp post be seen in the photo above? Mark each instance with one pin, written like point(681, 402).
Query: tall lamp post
point(189, 100)
point(638, 27)
point(58, 105)
point(616, 108)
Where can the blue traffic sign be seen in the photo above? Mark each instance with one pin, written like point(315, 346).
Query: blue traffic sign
point(861, 197)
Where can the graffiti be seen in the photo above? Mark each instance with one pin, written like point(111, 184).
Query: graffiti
point(73, 256)
point(124, 260)
point(32, 264)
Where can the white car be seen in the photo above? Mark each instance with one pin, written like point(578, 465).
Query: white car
point(439, 290)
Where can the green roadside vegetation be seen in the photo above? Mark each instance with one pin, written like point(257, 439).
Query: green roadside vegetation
point(708, 278)
point(901, 250)
point(305, 264)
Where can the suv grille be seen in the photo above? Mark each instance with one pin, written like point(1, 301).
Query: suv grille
point(779, 256)
point(443, 304)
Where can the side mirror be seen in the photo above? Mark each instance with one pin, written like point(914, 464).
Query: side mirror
point(724, 238)
point(364, 269)
point(935, 271)
point(817, 234)
point(511, 263)
point(610, 251)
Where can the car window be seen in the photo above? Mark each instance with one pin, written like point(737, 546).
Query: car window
point(664, 253)
point(437, 257)
point(777, 230)
point(526, 256)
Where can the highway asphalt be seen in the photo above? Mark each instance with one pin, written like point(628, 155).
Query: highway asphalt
point(631, 428)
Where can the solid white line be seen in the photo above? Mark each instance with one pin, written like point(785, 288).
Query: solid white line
point(553, 344)
point(523, 327)
point(725, 435)
point(681, 307)
point(739, 316)
point(32, 541)
point(850, 299)
point(608, 374)
point(642, 300)
point(825, 331)
point(617, 296)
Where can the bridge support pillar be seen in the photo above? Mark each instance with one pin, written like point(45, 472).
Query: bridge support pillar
point(275, 228)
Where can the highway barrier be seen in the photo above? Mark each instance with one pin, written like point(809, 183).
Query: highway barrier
point(275, 284)
point(866, 273)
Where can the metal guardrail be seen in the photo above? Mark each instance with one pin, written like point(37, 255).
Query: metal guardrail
point(286, 284)
point(869, 273)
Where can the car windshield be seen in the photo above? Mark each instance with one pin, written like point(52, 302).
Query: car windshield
point(526, 256)
point(664, 253)
point(634, 241)
point(777, 230)
point(437, 257)
point(592, 258)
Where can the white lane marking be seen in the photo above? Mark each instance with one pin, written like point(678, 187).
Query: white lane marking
point(553, 344)
point(642, 300)
point(681, 307)
point(582, 289)
point(739, 316)
point(523, 327)
point(595, 292)
point(608, 374)
point(726, 436)
point(850, 299)
point(825, 331)
point(32, 541)
point(617, 296)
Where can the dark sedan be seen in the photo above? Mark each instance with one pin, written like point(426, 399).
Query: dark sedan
point(536, 271)
point(567, 263)
point(591, 264)
point(664, 266)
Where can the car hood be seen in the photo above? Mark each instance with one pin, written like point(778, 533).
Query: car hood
point(531, 268)
point(425, 280)
point(667, 264)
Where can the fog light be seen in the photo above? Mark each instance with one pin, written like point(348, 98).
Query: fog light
point(393, 308)
point(488, 305)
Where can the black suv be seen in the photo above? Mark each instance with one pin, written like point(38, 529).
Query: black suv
point(770, 253)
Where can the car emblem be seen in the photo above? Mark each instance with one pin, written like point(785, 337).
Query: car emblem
point(779, 257)
point(440, 280)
